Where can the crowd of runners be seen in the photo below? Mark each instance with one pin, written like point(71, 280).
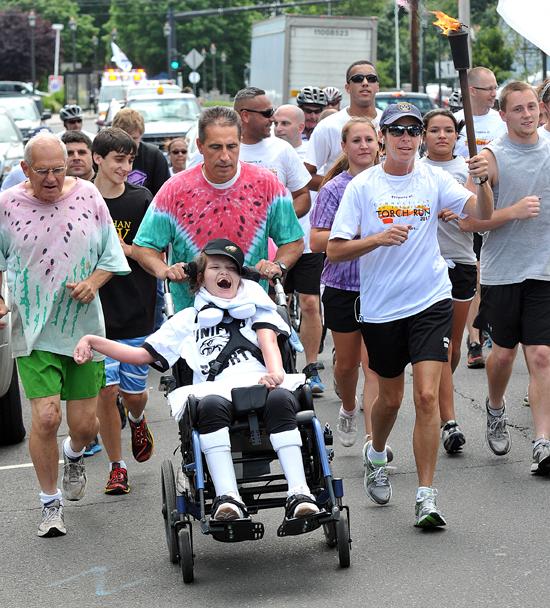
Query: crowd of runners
point(390, 234)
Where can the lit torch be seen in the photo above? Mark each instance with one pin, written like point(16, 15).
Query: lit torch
point(457, 34)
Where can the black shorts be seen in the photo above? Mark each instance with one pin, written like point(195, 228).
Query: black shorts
point(516, 313)
point(478, 242)
point(424, 336)
point(305, 275)
point(464, 281)
point(341, 309)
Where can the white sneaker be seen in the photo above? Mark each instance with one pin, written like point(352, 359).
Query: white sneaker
point(74, 478)
point(347, 429)
point(52, 523)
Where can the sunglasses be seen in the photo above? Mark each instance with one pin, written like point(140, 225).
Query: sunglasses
point(399, 130)
point(358, 78)
point(74, 121)
point(311, 110)
point(265, 113)
point(178, 151)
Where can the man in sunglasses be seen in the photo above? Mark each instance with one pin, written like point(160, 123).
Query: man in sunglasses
point(406, 306)
point(58, 248)
point(312, 101)
point(325, 142)
point(72, 118)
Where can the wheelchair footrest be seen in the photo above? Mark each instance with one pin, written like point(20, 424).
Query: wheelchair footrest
point(302, 525)
point(236, 531)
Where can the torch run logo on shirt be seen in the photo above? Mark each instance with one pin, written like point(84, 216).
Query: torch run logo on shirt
point(387, 213)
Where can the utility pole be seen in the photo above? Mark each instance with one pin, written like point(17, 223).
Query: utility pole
point(414, 44)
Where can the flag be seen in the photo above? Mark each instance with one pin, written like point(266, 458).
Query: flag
point(529, 18)
point(403, 4)
point(120, 59)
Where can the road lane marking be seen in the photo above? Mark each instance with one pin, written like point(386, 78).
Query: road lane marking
point(26, 465)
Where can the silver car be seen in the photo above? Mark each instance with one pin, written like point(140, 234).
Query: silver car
point(11, 145)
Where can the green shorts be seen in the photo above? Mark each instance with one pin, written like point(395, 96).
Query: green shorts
point(44, 374)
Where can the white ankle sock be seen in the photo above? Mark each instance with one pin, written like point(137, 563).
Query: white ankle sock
point(135, 420)
point(422, 492)
point(68, 450)
point(377, 457)
point(46, 498)
point(346, 413)
point(121, 463)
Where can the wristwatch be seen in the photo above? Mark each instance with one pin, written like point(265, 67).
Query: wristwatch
point(282, 266)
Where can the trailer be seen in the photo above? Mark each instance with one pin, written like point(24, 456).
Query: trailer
point(289, 52)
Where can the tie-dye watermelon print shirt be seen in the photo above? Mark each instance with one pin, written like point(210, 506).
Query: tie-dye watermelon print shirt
point(188, 212)
point(43, 246)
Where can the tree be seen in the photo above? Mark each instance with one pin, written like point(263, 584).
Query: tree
point(15, 46)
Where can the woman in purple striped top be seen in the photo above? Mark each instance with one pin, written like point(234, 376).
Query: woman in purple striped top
point(341, 280)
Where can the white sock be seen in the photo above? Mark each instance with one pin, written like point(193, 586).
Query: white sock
point(120, 463)
point(46, 498)
point(346, 413)
point(287, 445)
point(377, 457)
point(216, 447)
point(135, 420)
point(68, 449)
point(422, 492)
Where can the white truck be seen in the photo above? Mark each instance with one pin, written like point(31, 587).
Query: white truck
point(289, 52)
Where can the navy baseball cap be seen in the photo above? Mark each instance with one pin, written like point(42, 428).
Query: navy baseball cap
point(227, 248)
point(395, 111)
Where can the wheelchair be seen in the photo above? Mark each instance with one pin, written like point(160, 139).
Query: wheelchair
point(188, 492)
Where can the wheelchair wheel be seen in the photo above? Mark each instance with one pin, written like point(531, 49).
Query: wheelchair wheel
point(168, 507)
point(186, 554)
point(342, 532)
point(331, 537)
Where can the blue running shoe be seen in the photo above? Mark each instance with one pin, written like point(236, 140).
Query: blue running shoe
point(317, 387)
point(93, 448)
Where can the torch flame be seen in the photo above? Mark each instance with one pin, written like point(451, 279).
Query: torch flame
point(446, 23)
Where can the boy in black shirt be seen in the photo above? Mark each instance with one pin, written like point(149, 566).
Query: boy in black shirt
point(128, 306)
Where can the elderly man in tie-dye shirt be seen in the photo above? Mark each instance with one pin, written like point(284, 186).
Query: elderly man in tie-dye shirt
point(58, 246)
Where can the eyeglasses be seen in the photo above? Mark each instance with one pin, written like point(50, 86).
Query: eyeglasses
point(311, 110)
point(178, 151)
point(74, 121)
point(265, 113)
point(399, 130)
point(358, 78)
point(44, 172)
point(486, 88)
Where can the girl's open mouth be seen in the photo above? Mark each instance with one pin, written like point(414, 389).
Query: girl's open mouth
point(224, 283)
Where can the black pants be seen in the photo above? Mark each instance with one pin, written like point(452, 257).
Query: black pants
point(215, 412)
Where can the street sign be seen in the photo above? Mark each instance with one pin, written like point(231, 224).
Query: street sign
point(194, 77)
point(55, 83)
point(448, 71)
point(193, 59)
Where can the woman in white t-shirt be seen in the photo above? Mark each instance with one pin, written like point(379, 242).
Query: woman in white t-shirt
point(198, 334)
point(457, 248)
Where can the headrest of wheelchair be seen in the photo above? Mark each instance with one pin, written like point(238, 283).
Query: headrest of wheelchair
point(210, 315)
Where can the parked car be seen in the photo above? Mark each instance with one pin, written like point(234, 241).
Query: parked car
point(24, 112)
point(12, 429)
point(421, 100)
point(13, 87)
point(11, 144)
point(166, 116)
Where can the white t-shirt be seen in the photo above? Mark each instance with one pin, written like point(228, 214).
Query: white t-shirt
point(325, 143)
point(543, 132)
point(487, 127)
point(304, 220)
point(274, 154)
point(399, 281)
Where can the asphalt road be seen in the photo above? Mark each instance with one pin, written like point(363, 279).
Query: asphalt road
point(493, 552)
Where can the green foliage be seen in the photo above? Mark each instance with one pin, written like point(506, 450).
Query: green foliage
point(55, 101)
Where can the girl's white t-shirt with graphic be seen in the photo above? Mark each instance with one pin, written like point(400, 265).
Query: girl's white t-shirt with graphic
point(399, 281)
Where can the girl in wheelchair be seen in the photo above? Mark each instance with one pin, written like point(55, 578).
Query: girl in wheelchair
point(224, 298)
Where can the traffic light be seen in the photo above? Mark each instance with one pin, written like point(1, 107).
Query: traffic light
point(175, 62)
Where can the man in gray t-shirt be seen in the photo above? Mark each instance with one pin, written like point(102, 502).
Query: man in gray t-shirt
point(515, 276)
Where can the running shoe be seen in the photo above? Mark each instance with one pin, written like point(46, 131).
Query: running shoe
point(452, 437)
point(312, 377)
point(541, 458)
point(93, 448)
point(52, 523)
point(377, 483)
point(427, 513)
point(118, 480)
point(74, 478)
point(347, 429)
point(475, 356)
point(142, 440)
point(526, 401)
point(497, 434)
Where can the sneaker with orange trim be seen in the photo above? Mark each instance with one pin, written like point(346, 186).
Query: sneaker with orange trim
point(118, 480)
point(142, 440)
